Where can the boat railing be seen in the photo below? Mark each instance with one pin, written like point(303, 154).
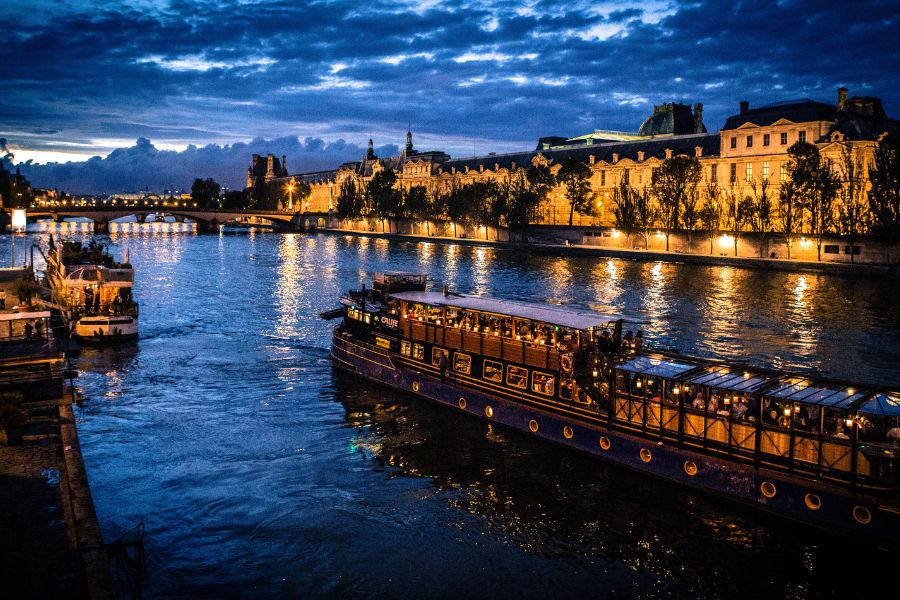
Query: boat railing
point(477, 342)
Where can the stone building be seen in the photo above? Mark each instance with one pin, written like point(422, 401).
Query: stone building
point(268, 170)
point(750, 147)
point(15, 189)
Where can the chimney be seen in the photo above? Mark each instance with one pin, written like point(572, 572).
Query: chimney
point(270, 159)
point(640, 156)
point(745, 107)
point(698, 118)
point(698, 151)
point(615, 157)
point(284, 164)
point(842, 99)
point(592, 159)
point(668, 153)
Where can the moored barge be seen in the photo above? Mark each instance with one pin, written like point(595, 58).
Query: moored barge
point(817, 451)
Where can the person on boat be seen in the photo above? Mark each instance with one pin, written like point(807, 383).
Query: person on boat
point(2, 299)
point(627, 341)
point(698, 403)
point(442, 365)
point(638, 341)
point(117, 305)
point(39, 329)
point(740, 408)
point(713, 405)
point(28, 329)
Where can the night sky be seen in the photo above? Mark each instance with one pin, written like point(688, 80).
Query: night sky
point(191, 88)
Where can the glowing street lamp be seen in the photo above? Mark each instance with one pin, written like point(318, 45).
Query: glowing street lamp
point(18, 223)
point(290, 187)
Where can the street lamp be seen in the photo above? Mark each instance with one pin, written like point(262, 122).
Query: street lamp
point(291, 194)
point(18, 222)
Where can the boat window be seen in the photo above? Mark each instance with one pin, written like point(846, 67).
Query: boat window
point(517, 377)
point(462, 363)
point(405, 348)
point(418, 352)
point(743, 408)
point(493, 371)
point(838, 424)
point(567, 389)
point(542, 383)
point(436, 354)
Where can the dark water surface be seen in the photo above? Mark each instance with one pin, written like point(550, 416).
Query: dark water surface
point(262, 472)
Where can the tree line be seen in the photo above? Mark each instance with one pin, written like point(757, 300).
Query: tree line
point(262, 195)
point(817, 197)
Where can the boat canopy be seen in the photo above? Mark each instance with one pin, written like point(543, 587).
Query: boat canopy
point(551, 315)
point(807, 391)
point(23, 316)
point(885, 404)
point(657, 366)
point(730, 378)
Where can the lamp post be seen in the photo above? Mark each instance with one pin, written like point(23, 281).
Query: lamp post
point(291, 194)
point(18, 221)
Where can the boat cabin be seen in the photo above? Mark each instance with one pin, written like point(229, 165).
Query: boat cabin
point(96, 289)
point(793, 423)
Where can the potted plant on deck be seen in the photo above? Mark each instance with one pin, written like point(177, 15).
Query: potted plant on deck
point(12, 418)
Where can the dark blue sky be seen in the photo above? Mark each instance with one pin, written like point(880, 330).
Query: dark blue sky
point(315, 80)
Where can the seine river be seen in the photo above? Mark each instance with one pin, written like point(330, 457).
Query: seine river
point(260, 471)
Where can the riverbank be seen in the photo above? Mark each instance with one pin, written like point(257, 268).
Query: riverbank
point(51, 543)
point(540, 246)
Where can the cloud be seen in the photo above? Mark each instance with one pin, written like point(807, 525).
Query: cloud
point(503, 72)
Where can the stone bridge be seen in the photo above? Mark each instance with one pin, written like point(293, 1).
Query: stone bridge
point(206, 219)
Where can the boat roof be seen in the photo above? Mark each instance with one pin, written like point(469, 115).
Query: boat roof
point(808, 391)
point(730, 378)
point(552, 315)
point(18, 316)
point(658, 366)
point(883, 404)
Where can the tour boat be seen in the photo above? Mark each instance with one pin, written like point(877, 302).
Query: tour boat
point(820, 452)
point(96, 292)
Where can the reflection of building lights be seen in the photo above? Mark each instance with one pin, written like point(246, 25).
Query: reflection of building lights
point(726, 240)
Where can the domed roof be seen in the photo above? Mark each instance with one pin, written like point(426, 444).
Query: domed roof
point(669, 119)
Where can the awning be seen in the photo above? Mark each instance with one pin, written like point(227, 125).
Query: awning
point(886, 404)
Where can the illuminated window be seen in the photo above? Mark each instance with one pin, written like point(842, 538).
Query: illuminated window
point(714, 172)
point(749, 172)
point(567, 389)
point(462, 363)
point(784, 138)
point(734, 142)
point(783, 171)
point(602, 178)
point(542, 383)
point(405, 348)
point(517, 377)
point(749, 141)
point(765, 139)
point(418, 351)
point(766, 171)
point(733, 172)
point(493, 371)
point(801, 136)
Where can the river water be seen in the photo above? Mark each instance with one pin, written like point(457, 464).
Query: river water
point(260, 471)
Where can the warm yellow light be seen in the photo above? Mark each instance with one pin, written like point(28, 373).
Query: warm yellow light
point(804, 243)
point(638, 384)
point(849, 422)
point(676, 390)
point(726, 240)
point(615, 233)
point(660, 234)
point(787, 411)
point(18, 218)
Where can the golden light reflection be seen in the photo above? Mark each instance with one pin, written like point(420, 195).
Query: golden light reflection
point(481, 267)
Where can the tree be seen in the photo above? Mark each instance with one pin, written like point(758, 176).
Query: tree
point(234, 199)
point(673, 181)
point(575, 177)
point(758, 210)
point(634, 211)
point(416, 203)
point(385, 199)
point(816, 187)
point(789, 210)
point(853, 218)
point(884, 195)
point(710, 212)
point(350, 200)
point(526, 191)
point(258, 194)
point(205, 193)
point(297, 193)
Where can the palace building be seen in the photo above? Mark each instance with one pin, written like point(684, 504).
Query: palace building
point(751, 147)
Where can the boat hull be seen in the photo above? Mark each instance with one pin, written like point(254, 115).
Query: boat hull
point(106, 330)
point(812, 503)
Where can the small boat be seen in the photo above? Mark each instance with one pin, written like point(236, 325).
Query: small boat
point(95, 290)
point(817, 451)
point(243, 226)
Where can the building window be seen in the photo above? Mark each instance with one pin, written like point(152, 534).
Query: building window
point(602, 178)
point(733, 172)
point(713, 173)
point(749, 141)
point(766, 171)
point(734, 142)
point(765, 139)
point(784, 138)
point(749, 172)
point(626, 176)
point(801, 136)
point(783, 173)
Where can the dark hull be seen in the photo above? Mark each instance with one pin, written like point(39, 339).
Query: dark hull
point(834, 510)
point(105, 340)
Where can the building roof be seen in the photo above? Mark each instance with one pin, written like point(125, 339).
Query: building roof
point(652, 147)
point(797, 111)
point(552, 315)
point(669, 119)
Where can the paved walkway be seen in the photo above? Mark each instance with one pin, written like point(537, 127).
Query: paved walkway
point(43, 552)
